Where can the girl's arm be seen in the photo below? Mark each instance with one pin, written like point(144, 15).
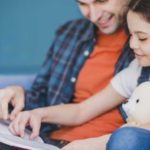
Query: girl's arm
point(67, 114)
point(75, 114)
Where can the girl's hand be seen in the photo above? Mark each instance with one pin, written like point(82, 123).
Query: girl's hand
point(23, 119)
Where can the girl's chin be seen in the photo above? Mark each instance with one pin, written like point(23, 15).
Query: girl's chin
point(144, 63)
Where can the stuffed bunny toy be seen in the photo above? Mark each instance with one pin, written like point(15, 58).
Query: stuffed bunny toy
point(138, 106)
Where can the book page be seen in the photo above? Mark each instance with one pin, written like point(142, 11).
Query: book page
point(4, 129)
point(9, 139)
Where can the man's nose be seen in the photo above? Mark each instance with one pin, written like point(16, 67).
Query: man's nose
point(94, 13)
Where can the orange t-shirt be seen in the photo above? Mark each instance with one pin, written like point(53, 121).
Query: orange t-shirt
point(93, 77)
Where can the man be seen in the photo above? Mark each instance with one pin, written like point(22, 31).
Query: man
point(79, 64)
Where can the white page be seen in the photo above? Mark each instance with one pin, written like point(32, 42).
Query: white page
point(4, 130)
point(9, 139)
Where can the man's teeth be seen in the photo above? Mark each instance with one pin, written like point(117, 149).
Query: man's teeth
point(103, 20)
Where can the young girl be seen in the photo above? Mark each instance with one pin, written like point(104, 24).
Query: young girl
point(138, 19)
point(120, 88)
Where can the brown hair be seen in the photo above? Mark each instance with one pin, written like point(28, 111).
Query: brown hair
point(142, 7)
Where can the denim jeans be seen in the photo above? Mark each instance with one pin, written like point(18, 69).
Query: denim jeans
point(129, 138)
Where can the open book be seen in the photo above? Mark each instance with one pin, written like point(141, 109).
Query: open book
point(7, 138)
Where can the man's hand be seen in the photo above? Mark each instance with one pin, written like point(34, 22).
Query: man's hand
point(88, 144)
point(13, 95)
point(23, 119)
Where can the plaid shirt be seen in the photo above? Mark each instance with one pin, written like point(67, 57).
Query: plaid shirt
point(55, 82)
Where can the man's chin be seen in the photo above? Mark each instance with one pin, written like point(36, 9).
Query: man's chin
point(109, 30)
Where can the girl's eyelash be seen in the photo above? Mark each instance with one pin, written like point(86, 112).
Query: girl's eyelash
point(143, 39)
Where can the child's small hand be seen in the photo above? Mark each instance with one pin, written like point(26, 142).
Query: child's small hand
point(23, 119)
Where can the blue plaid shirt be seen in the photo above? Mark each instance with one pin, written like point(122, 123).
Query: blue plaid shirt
point(55, 82)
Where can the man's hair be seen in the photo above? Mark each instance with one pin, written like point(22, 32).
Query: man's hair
point(142, 7)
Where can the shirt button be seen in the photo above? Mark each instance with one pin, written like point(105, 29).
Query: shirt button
point(86, 53)
point(94, 40)
point(73, 79)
